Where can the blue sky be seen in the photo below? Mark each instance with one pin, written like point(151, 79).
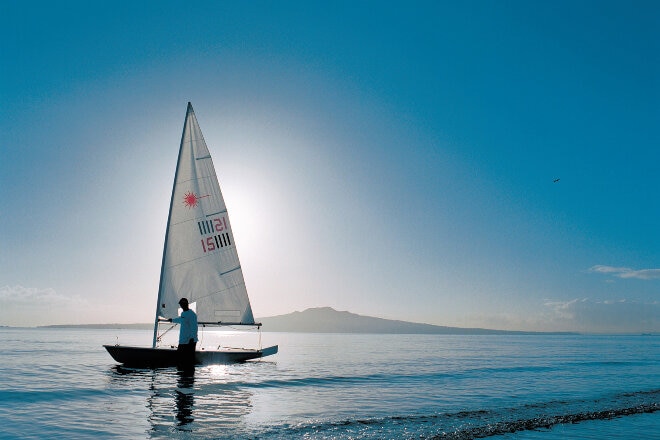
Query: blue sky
point(394, 159)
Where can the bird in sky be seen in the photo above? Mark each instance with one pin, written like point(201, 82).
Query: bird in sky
point(555, 181)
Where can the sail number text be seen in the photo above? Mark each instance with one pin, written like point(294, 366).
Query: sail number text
point(220, 234)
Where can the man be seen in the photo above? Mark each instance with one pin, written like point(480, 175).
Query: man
point(187, 333)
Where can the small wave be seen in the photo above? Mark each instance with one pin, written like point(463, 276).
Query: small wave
point(334, 381)
point(376, 378)
point(478, 423)
point(509, 427)
point(38, 396)
point(330, 381)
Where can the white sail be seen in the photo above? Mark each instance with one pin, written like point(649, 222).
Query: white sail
point(200, 261)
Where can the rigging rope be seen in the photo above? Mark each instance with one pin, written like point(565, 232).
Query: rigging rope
point(160, 336)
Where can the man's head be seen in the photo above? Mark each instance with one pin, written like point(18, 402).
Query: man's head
point(183, 302)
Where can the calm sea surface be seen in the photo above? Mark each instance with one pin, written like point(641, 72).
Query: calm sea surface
point(60, 383)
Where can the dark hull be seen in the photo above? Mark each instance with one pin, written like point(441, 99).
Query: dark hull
point(144, 357)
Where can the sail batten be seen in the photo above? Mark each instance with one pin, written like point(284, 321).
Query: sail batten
point(231, 270)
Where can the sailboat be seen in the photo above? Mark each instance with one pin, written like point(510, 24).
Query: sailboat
point(200, 262)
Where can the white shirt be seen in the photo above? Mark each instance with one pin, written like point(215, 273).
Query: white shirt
point(188, 322)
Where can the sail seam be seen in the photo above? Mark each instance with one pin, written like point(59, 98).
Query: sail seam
point(199, 297)
point(196, 219)
point(210, 254)
point(208, 176)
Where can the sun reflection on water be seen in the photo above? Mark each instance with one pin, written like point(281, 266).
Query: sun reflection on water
point(217, 371)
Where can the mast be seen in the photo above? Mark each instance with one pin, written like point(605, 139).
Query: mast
point(167, 230)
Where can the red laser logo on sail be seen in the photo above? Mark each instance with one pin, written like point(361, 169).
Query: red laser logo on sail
point(191, 199)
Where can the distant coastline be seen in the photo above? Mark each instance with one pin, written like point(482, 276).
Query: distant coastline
point(329, 320)
point(102, 326)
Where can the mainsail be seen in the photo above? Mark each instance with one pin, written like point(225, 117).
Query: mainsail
point(200, 261)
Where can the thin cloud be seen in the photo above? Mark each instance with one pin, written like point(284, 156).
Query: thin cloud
point(644, 274)
point(619, 316)
point(626, 272)
point(582, 315)
point(29, 306)
point(33, 295)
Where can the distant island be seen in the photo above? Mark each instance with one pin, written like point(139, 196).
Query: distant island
point(329, 320)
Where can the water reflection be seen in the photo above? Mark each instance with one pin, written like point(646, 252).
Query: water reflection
point(204, 401)
point(185, 396)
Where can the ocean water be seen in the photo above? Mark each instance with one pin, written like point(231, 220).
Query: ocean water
point(60, 383)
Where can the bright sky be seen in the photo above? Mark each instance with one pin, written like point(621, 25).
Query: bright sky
point(393, 159)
